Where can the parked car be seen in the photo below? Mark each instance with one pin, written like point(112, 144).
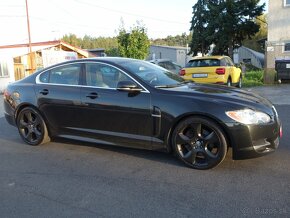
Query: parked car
point(167, 64)
point(213, 69)
point(133, 103)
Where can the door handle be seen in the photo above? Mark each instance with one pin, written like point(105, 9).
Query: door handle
point(92, 95)
point(44, 92)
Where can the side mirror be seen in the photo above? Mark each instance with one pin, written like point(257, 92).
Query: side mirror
point(128, 86)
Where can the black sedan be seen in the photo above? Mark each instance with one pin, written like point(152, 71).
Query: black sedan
point(133, 103)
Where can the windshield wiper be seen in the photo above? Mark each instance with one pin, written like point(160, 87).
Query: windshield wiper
point(173, 85)
point(166, 86)
point(185, 82)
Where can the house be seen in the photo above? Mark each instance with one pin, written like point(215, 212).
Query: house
point(174, 53)
point(278, 44)
point(98, 52)
point(17, 62)
point(249, 56)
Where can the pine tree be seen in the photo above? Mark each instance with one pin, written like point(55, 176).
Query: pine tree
point(227, 24)
point(200, 33)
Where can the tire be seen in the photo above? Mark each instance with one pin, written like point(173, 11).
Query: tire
point(229, 82)
point(32, 127)
point(239, 85)
point(199, 143)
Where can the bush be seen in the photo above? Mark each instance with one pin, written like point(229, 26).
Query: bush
point(253, 78)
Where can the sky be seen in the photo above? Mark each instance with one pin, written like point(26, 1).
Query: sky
point(51, 19)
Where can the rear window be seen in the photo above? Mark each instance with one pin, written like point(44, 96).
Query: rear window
point(203, 63)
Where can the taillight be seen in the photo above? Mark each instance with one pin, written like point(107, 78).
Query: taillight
point(220, 71)
point(182, 72)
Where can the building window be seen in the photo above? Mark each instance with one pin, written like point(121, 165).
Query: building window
point(3, 69)
point(286, 2)
point(287, 47)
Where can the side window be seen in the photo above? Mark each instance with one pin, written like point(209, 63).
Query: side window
point(162, 64)
point(67, 75)
point(223, 62)
point(230, 63)
point(3, 69)
point(44, 77)
point(169, 66)
point(102, 75)
point(287, 46)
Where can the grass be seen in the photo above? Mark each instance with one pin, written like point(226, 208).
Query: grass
point(253, 78)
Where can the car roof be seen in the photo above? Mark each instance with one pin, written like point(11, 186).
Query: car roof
point(160, 60)
point(110, 60)
point(209, 57)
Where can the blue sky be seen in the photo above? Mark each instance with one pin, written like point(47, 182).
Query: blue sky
point(51, 19)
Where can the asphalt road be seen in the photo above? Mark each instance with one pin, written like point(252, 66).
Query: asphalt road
point(76, 179)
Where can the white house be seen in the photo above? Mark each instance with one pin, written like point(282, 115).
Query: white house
point(174, 53)
point(16, 62)
point(278, 42)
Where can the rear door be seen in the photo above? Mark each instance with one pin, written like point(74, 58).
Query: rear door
point(58, 96)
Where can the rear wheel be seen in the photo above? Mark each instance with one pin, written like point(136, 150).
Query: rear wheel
point(199, 143)
point(239, 85)
point(32, 127)
point(229, 82)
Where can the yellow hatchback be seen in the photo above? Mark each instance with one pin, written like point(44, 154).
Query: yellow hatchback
point(213, 69)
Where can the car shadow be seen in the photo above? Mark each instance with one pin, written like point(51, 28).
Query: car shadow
point(9, 133)
point(158, 156)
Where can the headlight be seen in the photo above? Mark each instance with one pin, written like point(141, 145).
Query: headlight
point(248, 116)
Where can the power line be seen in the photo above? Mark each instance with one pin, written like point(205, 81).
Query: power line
point(128, 13)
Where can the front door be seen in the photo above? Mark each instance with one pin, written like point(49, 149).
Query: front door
point(109, 115)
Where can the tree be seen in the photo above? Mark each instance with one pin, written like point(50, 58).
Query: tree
point(257, 42)
point(88, 42)
point(200, 32)
point(178, 40)
point(133, 44)
point(72, 39)
point(226, 24)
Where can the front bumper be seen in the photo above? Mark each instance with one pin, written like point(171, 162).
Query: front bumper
point(250, 141)
point(10, 119)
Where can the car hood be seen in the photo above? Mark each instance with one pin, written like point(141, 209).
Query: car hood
point(224, 94)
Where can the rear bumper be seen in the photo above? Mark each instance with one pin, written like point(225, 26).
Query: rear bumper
point(218, 79)
point(250, 141)
point(9, 113)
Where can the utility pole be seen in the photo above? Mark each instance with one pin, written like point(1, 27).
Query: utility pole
point(29, 37)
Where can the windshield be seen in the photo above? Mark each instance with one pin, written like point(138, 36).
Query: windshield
point(152, 74)
point(203, 63)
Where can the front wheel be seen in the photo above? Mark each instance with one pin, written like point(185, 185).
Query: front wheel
point(199, 143)
point(32, 127)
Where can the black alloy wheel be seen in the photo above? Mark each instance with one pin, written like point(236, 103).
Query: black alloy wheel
point(32, 127)
point(199, 143)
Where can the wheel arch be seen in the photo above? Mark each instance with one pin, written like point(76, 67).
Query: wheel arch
point(201, 115)
point(25, 105)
